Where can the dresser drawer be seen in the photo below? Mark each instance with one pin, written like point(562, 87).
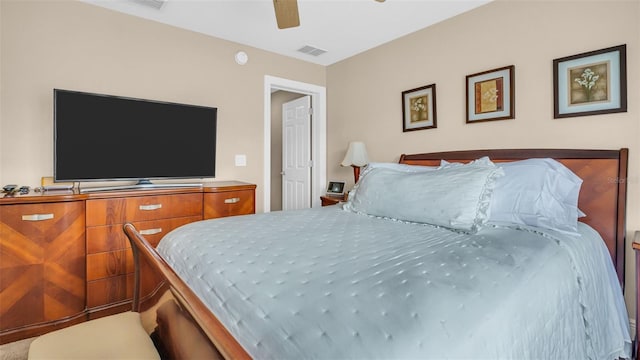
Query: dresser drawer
point(229, 203)
point(140, 208)
point(114, 289)
point(109, 290)
point(109, 251)
point(112, 263)
point(111, 237)
point(35, 222)
point(42, 255)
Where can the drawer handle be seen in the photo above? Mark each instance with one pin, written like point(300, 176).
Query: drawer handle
point(150, 231)
point(232, 200)
point(37, 217)
point(150, 207)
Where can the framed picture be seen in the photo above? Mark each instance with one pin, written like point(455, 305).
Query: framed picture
point(490, 95)
point(419, 108)
point(590, 83)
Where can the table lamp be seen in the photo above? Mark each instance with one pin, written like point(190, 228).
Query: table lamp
point(356, 157)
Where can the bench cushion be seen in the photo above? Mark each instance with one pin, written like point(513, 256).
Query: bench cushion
point(119, 336)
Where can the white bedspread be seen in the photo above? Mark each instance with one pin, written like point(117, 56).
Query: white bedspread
point(329, 284)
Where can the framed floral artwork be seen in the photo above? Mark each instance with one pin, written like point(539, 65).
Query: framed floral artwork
point(490, 95)
point(419, 108)
point(590, 83)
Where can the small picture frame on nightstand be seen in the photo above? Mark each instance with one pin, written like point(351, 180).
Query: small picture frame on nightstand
point(335, 188)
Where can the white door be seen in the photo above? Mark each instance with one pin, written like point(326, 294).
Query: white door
point(296, 154)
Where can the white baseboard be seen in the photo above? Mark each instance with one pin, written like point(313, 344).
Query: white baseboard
point(632, 328)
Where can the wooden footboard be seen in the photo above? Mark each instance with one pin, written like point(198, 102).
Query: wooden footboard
point(187, 300)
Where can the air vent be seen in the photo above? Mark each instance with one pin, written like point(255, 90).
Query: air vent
point(308, 49)
point(156, 4)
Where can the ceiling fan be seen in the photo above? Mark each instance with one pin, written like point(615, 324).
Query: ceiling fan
point(287, 13)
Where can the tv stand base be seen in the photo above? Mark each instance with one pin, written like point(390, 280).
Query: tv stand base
point(140, 186)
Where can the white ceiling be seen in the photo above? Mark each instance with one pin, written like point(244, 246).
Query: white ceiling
point(341, 27)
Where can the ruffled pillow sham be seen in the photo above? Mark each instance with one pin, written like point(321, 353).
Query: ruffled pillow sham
point(401, 167)
point(456, 197)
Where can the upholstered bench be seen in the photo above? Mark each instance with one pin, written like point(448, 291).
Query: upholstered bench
point(119, 336)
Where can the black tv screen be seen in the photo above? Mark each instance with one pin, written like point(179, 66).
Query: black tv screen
point(102, 137)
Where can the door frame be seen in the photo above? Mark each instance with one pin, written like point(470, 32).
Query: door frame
point(318, 135)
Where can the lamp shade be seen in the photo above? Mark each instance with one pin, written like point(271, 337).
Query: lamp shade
point(356, 155)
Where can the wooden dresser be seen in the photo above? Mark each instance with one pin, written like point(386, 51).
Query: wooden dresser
point(65, 259)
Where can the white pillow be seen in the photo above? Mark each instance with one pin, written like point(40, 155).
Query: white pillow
point(391, 166)
point(537, 192)
point(401, 167)
point(456, 197)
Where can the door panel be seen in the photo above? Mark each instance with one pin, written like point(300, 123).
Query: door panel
point(296, 154)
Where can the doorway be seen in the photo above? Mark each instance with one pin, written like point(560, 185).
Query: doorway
point(318, 136)
point(290, 151)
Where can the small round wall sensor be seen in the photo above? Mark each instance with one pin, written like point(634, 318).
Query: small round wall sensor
point(241, 57)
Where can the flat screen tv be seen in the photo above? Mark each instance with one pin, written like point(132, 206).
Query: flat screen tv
point(103, 137)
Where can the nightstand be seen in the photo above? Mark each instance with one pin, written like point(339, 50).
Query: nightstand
point(636, 247)
point(332, 200)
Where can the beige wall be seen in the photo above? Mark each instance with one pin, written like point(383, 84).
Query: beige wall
point(364, 92)
point(72, 45)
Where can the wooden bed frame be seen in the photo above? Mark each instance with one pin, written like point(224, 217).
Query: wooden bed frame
point(602, 198)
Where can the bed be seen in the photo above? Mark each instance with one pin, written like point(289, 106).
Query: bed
point(402, 272)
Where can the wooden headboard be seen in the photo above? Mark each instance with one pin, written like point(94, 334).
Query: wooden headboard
point(603, 194)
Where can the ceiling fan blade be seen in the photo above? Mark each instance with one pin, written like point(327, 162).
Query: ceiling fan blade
point(286, 13)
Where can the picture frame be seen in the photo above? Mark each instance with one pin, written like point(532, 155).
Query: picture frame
point(491, 95)
point(419, 108)
point(590, 83)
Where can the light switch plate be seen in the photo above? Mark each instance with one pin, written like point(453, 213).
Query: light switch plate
point(241, 160)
